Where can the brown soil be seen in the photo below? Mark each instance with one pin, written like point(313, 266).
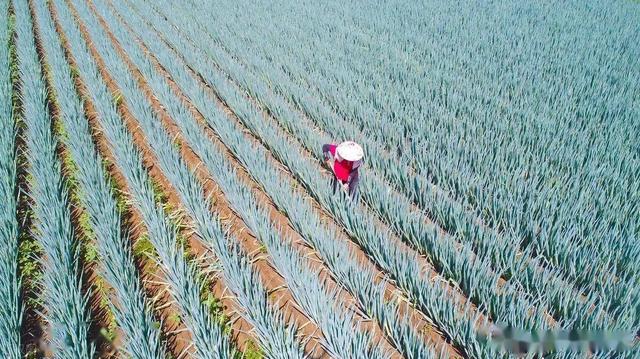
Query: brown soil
point(278, 218)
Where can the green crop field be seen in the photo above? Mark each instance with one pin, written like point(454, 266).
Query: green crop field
point(165, 193)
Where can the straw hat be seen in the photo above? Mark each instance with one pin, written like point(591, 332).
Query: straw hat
point(350, 151)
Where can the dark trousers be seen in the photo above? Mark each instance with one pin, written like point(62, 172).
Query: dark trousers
point(336, 183)
point(353, 185)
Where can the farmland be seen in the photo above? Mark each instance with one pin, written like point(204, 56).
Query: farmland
point(165, 193)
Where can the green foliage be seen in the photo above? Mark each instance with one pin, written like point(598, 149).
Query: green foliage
point(251, 351)
point(158, 193)
point(174, 318)
point(90, 253)
point(118, 99)
point(143, 248)
point(32, 354)
point(28, 254)
point(108, 334)
point(74, 72)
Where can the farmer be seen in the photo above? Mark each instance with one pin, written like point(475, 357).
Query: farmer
point(347, 159)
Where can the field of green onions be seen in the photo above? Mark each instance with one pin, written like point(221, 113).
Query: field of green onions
point(165, 195)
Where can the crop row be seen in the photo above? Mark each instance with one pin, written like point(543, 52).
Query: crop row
point(10, 301)
point(207, 336)
point(64, 304)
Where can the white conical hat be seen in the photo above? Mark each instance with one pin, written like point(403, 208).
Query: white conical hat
point(350, 151)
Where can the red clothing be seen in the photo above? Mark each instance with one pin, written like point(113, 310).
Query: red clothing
point(343, 168)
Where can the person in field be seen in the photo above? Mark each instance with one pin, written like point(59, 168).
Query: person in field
point(347, 160)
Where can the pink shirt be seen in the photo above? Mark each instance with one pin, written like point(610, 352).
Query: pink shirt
point(342, 168)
